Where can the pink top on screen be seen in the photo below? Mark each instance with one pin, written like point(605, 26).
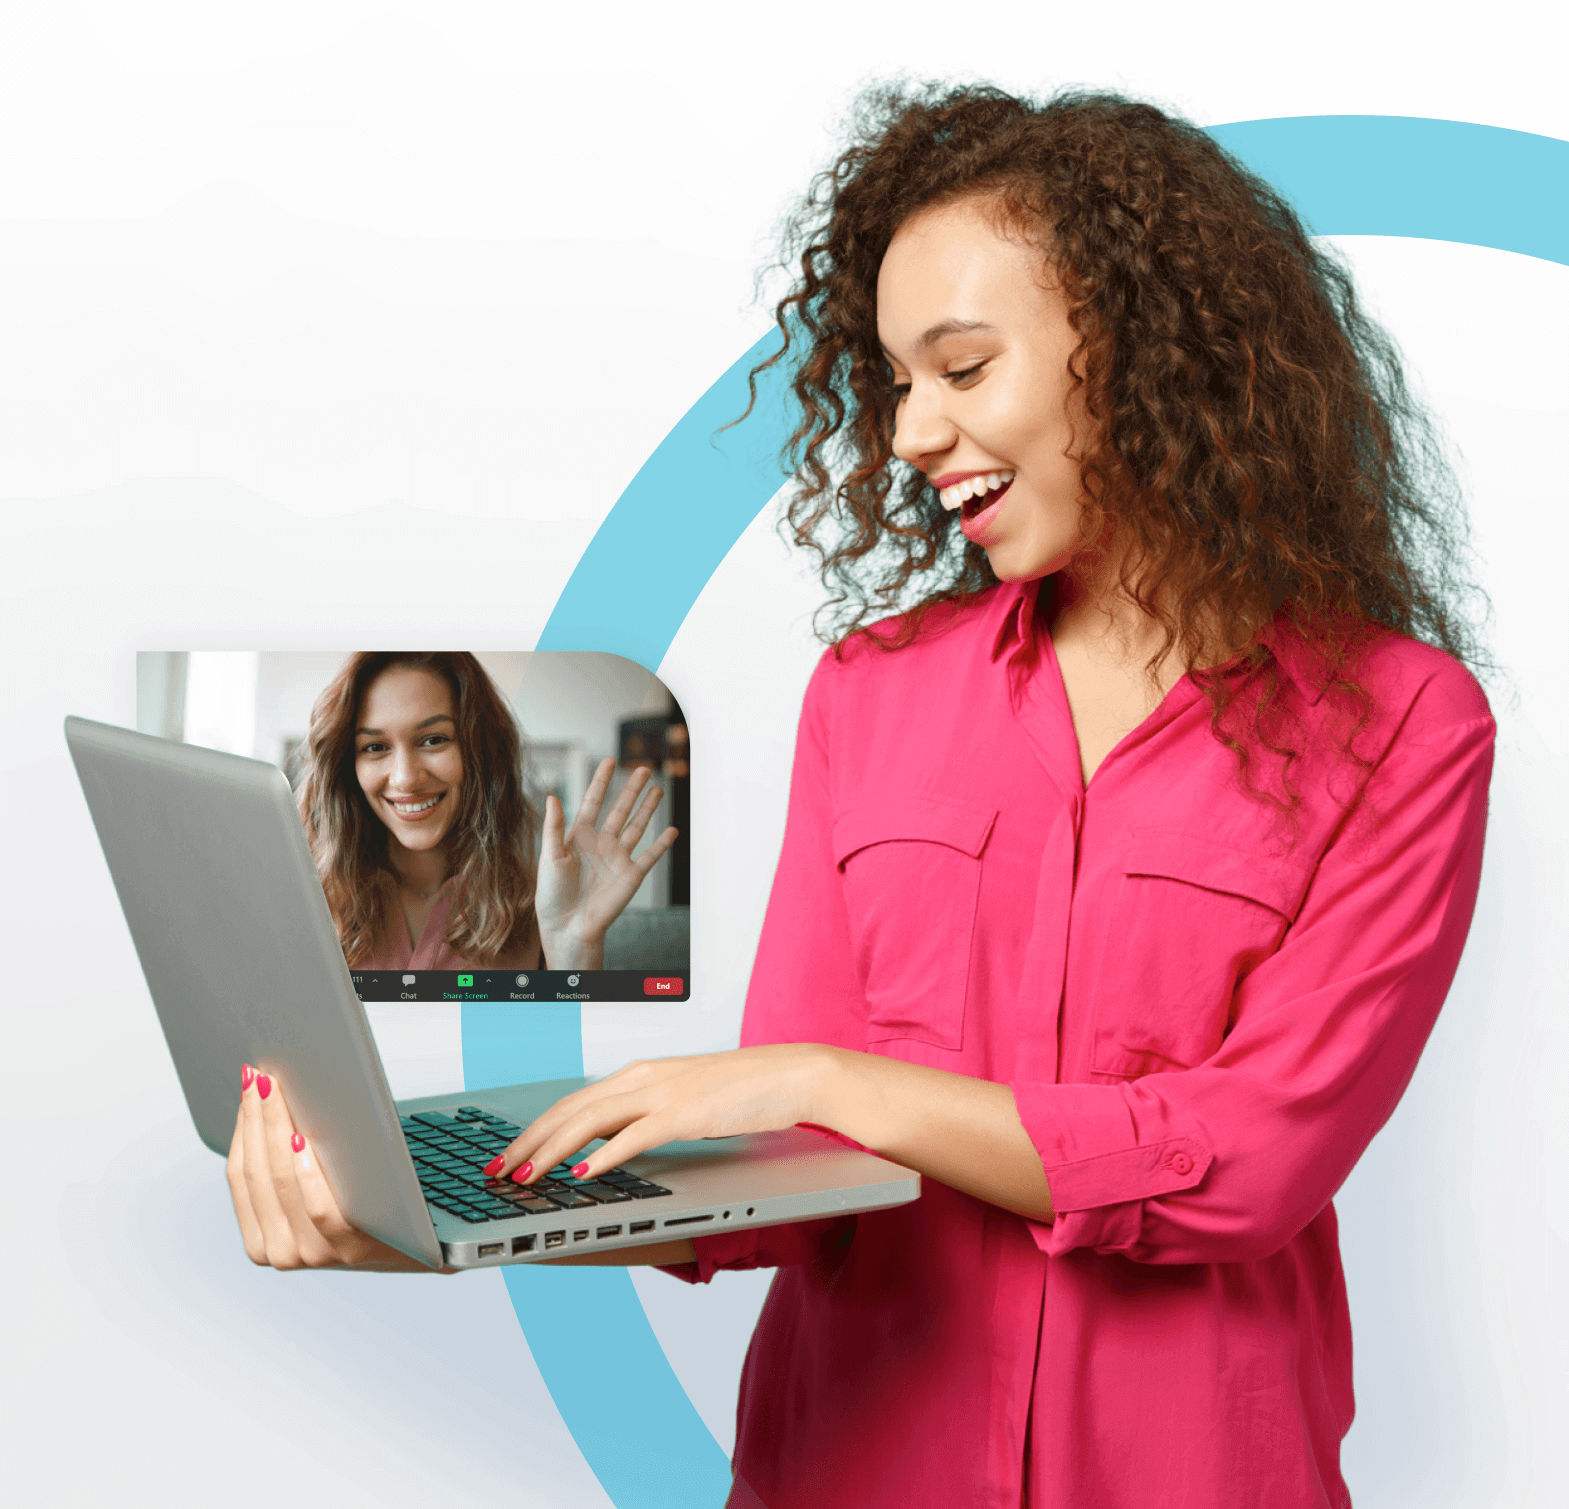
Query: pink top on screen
point(1205, 1015)
point(429, 951)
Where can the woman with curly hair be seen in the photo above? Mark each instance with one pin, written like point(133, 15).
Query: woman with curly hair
point(1134, 831)
point(413, 799)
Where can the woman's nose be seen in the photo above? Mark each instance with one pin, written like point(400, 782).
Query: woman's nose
point(405, 769)
point(921, 429)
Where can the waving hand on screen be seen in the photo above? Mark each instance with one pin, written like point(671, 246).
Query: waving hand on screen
point(587, 872)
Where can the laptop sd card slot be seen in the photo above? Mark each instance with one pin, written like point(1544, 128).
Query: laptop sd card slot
point(688, 1220)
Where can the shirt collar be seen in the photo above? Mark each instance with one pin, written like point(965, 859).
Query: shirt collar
point(1303, 663)
point(1017, 628)
point(1015, 620)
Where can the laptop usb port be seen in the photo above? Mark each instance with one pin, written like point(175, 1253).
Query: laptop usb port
point(555, 1239)
point(521, 1245)
point(491, 1249)
point(607, 1231)
point(638, 1226)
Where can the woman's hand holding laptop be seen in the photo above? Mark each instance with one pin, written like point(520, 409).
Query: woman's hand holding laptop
point(288, 1215)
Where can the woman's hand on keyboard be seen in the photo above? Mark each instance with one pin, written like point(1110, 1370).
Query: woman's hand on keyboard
point(288, 1214)
point(659, 1100)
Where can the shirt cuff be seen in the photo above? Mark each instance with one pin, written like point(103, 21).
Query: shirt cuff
point(1099, 1173)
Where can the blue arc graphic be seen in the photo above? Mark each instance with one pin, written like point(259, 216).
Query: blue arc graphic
point(1347, 175)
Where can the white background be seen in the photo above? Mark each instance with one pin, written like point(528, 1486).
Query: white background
point(319, 321)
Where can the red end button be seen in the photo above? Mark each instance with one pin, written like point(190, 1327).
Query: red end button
point(657, 986)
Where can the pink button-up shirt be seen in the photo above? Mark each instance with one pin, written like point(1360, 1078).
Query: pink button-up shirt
point(1205, 1010)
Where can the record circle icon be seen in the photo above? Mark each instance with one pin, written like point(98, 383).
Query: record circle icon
point(522, 980)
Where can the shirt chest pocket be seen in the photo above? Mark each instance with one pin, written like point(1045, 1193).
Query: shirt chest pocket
point(911, 873)
point(1190, 919)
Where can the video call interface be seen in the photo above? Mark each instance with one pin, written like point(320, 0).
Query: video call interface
point(422, 779)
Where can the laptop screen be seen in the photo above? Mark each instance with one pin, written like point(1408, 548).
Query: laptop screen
point(487, 825)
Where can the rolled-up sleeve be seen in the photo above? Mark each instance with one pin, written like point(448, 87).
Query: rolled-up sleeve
point(1226, 1161)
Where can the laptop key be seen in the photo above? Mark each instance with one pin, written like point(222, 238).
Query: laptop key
point(648, 1191)
point(571, 1199)
point(606, 1194)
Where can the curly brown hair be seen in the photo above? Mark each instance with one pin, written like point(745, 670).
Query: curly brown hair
point(494, 836)
point(1255, 452)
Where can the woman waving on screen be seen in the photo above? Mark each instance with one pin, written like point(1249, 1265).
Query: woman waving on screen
point(1134, 831)
point(428, 848)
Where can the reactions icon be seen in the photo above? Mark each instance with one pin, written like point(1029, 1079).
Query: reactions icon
point(572, 979)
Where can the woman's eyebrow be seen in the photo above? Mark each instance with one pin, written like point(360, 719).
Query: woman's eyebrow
point(434, 718)
point(952, 327)
point(946, 327)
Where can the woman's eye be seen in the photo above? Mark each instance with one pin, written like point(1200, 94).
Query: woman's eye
point(433, 741)
point(366, 749)
point(960, 378)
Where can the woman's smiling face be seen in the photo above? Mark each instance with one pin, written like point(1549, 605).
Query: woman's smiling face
point(979, 342)
point(406, 755)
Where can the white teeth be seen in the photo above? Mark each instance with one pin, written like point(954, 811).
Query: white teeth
point(973, 487)
point(413, 807)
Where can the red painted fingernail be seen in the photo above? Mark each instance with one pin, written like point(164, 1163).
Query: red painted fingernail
point(263, 1086)
point(297, 1142)
point(247, 1074)
point(579, 1171)
point(519, 1175)
point(494, 1166)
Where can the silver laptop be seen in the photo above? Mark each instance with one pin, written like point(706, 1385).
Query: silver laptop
point(229, 920)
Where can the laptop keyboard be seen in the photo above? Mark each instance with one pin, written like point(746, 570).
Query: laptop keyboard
point(451, 1150)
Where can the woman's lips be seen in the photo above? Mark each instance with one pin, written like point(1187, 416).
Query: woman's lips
point(978, 526)
point(415, 809)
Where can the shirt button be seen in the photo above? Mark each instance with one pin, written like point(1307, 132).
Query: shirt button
point(1181, 1163)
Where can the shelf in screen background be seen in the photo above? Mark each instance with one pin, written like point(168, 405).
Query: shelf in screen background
point(511, 985)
